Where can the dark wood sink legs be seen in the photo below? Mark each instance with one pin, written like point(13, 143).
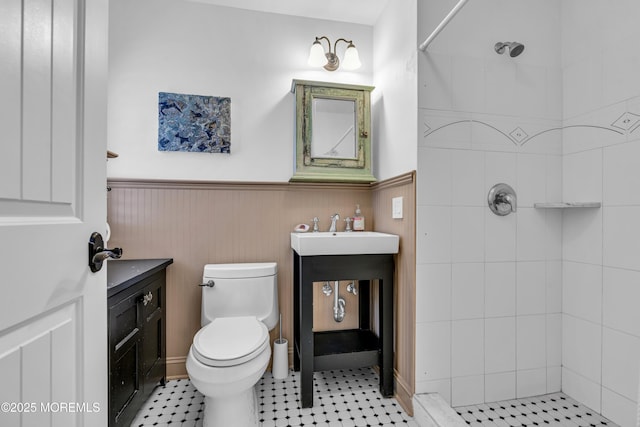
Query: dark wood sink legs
point(355, 348)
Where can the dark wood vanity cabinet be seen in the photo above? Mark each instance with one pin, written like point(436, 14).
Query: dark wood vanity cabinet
point(137, 344)
point(153, 344)
point(125, 345)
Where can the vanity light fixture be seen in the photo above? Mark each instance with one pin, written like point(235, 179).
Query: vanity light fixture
point(329, 60)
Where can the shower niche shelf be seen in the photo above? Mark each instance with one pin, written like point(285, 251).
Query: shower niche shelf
point(567, 205)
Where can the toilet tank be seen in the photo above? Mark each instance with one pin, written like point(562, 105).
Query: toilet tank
point(249, 289)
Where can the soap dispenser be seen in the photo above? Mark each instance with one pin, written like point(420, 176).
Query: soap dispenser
point(358, 220)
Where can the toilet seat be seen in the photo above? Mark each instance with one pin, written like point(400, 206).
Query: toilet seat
point(229, 341)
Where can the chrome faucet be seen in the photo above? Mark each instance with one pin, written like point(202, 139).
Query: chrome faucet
point(334, 218)
point(502, 199)
point(510, 199)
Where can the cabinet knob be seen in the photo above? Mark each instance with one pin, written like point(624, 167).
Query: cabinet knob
point(147, 298)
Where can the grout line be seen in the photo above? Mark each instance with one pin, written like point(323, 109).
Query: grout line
point(601, 276)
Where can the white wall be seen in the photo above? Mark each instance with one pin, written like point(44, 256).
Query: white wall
point(174, 46)
point(601, 162)
point(488, 287)
point(395, 99)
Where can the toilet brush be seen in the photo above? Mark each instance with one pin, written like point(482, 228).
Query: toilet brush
point(280, 367)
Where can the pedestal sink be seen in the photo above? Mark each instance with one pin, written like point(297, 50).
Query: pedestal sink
point(367, 257)
point(343, 243)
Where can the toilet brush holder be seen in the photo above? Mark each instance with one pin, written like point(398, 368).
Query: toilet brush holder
point(280, 368)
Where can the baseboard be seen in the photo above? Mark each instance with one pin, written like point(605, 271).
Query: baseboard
point(431, 410)
point(404, 394)
point(177, 368)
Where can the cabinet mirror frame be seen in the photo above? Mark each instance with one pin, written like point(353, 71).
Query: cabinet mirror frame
point(330, 162)
point(334, 129)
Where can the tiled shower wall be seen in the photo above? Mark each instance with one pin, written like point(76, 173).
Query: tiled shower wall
point(601, 253)
point(488, 322)
point(560, 122)
point(489, 287)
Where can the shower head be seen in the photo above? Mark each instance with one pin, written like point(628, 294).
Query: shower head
point(515, 48)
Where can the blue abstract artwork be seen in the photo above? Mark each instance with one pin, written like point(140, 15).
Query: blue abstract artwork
point(194, 123)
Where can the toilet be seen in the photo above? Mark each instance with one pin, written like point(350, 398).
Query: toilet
point(231, 351)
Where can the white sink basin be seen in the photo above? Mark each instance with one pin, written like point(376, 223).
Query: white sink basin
point(342, 243)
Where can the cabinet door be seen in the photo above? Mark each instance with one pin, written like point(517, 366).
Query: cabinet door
point(153, 363)
point(333, 126)
point(125, 350)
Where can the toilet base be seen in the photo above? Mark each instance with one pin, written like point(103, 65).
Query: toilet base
point(240, 410)
point(229, 392)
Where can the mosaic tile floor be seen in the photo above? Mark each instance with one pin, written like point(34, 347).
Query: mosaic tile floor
point(555, 409)
point(342, 398)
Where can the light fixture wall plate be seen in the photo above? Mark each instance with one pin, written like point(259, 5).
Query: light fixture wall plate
point(333, 62)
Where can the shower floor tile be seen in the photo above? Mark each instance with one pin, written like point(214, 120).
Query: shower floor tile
point(555, 409)
point(342, 398)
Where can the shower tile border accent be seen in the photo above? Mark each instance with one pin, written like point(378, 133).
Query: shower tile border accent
point(615, 124)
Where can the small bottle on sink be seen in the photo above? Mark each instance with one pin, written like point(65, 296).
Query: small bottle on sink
point(358, 220)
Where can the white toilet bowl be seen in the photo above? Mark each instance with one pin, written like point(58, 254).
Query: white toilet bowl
point(226, 360)
point(231, 352)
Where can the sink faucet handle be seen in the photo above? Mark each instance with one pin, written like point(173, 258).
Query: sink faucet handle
point(351, 288)
point(315, 224)
point(348, 226)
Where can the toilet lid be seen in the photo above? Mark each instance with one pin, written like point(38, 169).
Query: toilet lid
point(228, 341)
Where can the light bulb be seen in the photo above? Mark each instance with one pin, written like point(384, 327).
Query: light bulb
point(351, 59)
point(317, 57)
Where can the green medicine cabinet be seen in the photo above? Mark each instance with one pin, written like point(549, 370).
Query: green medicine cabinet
point(333, 132)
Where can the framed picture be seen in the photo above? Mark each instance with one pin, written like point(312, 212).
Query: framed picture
point(194, 123)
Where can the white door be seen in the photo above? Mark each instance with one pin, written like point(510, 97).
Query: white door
point(53, 344)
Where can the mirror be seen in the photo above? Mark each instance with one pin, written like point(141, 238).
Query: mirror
point(334, 128)
point(332, 132)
